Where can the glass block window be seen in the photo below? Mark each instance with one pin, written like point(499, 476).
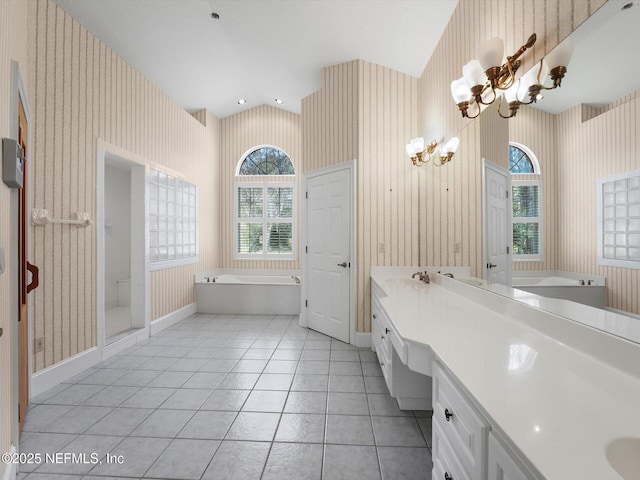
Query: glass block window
point(619, 220)
point(265, 208)
point(173, 221)
point(527, 231)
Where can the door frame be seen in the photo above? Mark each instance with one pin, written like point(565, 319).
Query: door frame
point(350, 166)
point(19, 95)
point(489, 165)
point(140, 294)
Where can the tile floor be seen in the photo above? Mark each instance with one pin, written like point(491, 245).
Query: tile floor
point(229, 397)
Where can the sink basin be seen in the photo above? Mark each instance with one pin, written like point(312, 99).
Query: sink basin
point(623, 455)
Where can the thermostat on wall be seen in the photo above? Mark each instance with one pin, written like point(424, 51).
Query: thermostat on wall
point(12, 163)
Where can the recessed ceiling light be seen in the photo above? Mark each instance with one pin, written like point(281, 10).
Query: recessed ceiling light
point(279, 101)
point(242, 101)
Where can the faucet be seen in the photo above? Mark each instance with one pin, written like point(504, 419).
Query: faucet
point(450, 275)
point(422, 276)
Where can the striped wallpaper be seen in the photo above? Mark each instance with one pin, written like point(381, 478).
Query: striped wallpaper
point(427, 215)
point(366, 112)
point(603, 145)
point(13, 40)
point(537, 130)
point(574, 149)
point(81, 91)
point(263, 125)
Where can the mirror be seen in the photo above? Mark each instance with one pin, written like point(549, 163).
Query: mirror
point(582, 131)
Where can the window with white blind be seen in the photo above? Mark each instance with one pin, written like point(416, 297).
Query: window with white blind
point(265, 210)
point(173, 221)
point(527, 228)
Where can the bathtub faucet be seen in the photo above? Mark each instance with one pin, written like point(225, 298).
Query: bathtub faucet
point(422, 276)
point(450, 275)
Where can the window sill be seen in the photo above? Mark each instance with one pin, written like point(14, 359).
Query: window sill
point(165, 264)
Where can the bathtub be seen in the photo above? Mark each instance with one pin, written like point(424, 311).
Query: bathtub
point(250, 294)
point(580, 288)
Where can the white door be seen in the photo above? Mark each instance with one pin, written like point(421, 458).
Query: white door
point(328, 248)
point(497, 223)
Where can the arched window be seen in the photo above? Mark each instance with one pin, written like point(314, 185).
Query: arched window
point(266, 161)
point(527, 204)
point(265, 206)
point(522, 159)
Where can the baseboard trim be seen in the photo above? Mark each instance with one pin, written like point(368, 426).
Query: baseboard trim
point(363, 339)
point(62, 371)
point(124, 343)
point(11, 473)
point(172, 318)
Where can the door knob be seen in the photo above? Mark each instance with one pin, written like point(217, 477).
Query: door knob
point(491, 265)
point(343, 264)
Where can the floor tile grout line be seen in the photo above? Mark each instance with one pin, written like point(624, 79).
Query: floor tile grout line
point(280, 335)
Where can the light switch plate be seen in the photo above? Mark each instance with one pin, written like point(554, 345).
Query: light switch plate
point(1, 260)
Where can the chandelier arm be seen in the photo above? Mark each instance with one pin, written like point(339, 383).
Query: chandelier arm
point(510, 74)
point(500, 108)
point(480, 96)
point(477, 114)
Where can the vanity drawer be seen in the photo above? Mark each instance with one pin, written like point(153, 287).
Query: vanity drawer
point(445, 463)
point(387, 369)
point(466, 431)
point(375, 328)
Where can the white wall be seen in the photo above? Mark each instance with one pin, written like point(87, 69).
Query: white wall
point(117, 213)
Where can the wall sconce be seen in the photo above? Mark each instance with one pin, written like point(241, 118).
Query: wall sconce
point(420, 154)
point(447, 152)
point(481, 78)
point(529, 88)
point(484, 80)
point(417, 151)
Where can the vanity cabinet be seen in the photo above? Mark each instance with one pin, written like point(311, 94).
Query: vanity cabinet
point(412, 390)
point(458, 425)
point(464, 447)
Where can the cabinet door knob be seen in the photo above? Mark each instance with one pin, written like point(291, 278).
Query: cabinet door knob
point(386, 330)
point(382, 337)
point(447, 414)
point(447, 476)
point(374, 316)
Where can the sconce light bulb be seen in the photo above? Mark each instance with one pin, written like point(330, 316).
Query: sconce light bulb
point(561, 55)
point(460, 91)
point(474, 74)
point(490, 53)
point(417, 144)
point(452, 145)
point(511, 93)
point(409, 150)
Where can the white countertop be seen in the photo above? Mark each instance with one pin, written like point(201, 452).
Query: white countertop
point(558, 403)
